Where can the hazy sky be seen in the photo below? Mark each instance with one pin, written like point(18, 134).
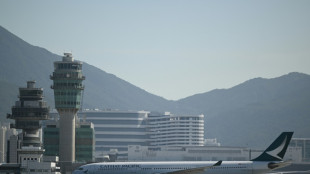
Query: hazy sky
point(171, 48)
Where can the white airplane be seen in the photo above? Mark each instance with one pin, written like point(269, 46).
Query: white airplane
point(269, 160)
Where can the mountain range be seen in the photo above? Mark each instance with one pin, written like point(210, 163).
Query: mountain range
point(250, 114)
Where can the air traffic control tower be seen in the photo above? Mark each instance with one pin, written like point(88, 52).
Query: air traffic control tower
point(68, 90)
point(28, 113)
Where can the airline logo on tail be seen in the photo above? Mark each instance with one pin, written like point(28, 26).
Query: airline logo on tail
point(276, 151)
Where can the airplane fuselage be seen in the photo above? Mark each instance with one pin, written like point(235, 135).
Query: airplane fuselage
point(270, 159)
point(229, 167)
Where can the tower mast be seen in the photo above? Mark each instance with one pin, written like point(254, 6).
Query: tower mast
point(67, 84)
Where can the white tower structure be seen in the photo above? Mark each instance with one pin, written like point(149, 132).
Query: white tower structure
point(67, 84)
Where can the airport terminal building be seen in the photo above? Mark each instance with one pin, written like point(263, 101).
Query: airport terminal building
point(115, 131)
point(84, 139)
point(149, 136)
point(175, 130)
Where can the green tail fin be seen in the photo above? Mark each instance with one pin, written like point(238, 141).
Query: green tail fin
point(276, 151)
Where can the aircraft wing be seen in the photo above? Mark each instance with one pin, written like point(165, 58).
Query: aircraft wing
point(195, 170)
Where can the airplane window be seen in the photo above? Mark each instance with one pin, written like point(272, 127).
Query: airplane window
point(81, 168)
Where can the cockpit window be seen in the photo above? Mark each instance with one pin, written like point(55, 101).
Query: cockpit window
point(81, 168)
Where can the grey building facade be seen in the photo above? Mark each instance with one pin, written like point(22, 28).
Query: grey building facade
point(115, 131)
